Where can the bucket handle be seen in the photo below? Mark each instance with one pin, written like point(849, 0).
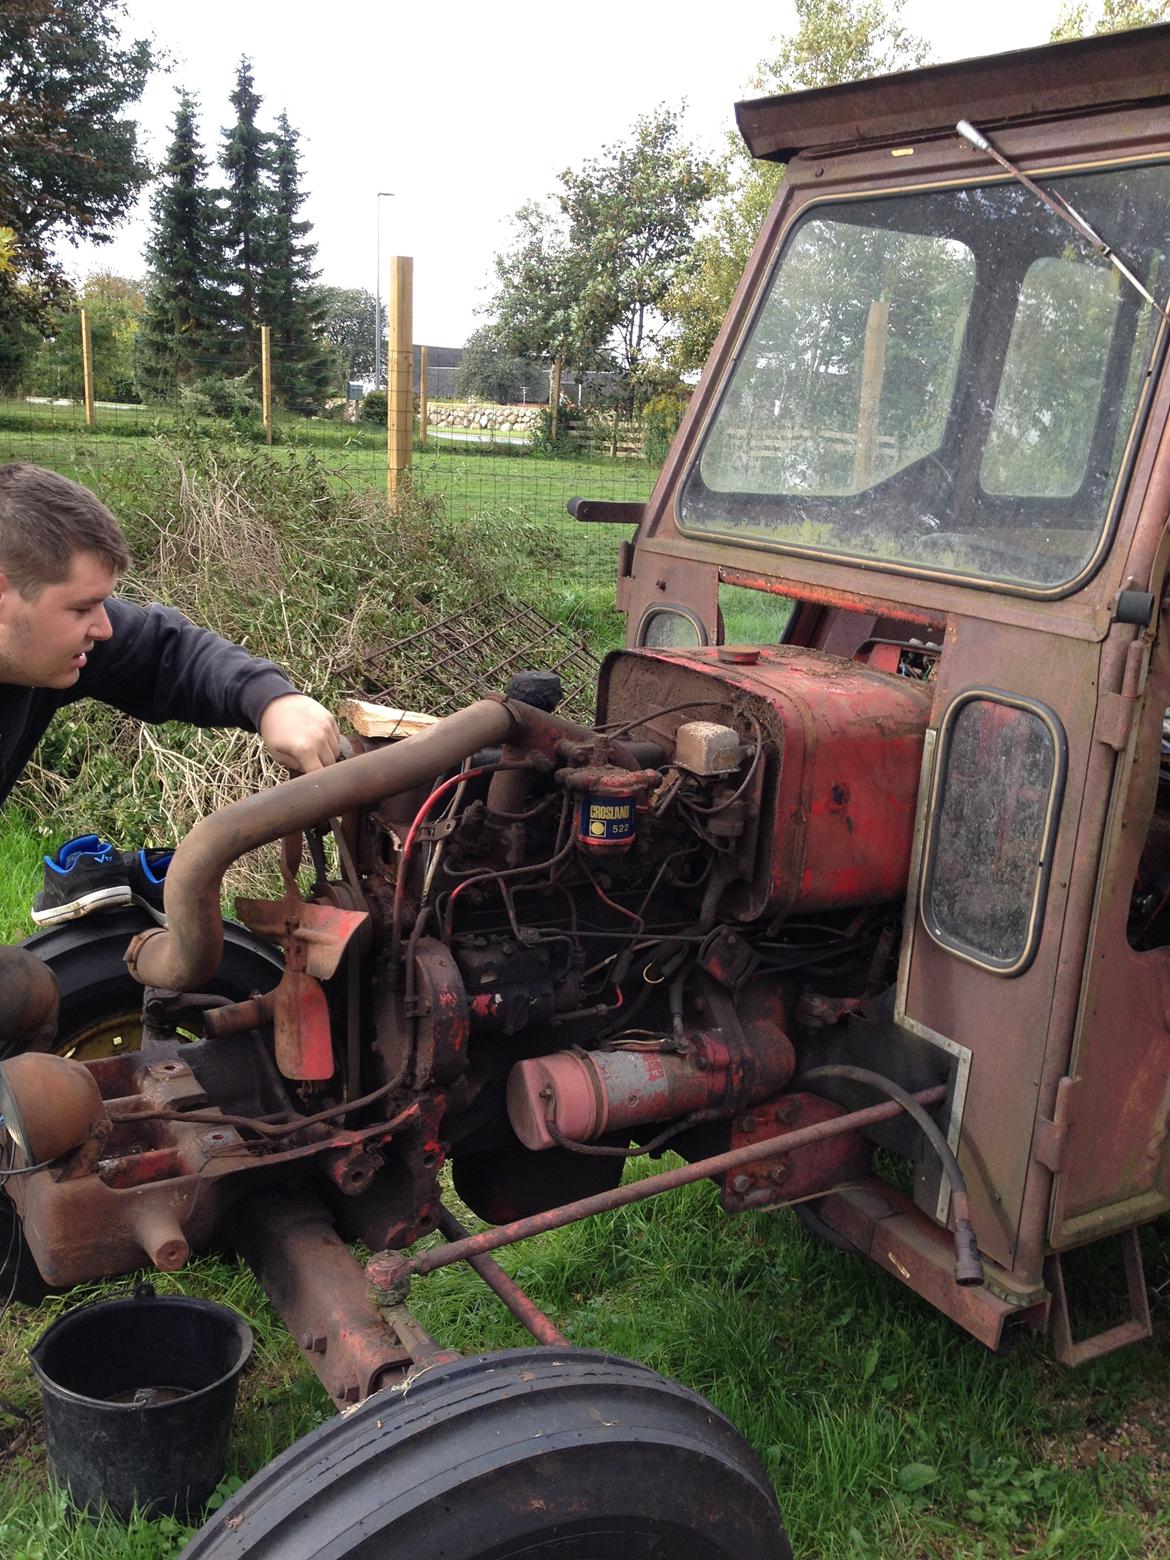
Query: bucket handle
point(144, 1290)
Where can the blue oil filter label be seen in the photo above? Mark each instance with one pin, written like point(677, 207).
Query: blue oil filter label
point(606, 820)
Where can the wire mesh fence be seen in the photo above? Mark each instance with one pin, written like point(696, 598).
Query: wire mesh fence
point(486, 467)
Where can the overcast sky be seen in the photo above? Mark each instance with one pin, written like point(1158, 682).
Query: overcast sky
point(467, 110)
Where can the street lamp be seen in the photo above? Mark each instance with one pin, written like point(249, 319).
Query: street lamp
point(382, 195)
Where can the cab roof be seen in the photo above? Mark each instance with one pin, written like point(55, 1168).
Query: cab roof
point(1027, 84)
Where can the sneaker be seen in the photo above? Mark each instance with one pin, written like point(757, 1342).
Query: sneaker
point(86, 874)
point(146, 870)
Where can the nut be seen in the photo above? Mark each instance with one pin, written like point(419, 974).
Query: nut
point(740, 1183)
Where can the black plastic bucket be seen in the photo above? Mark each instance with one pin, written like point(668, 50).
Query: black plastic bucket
point(138, 1397)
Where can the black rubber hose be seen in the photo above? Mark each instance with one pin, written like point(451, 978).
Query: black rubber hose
point(968, 1263)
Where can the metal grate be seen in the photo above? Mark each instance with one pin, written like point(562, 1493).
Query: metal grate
point(445, 665)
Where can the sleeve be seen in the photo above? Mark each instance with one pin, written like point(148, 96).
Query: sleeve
point(160, 666)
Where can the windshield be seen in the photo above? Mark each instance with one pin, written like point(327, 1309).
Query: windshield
point(944, 380)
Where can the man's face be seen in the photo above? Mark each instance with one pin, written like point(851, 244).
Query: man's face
point(44, 640)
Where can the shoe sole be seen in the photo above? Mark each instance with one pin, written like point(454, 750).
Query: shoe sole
point(151, 910)
point(100, 899)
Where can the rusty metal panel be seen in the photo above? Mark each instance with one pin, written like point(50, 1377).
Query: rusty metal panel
point(836, 804)
point(1004, 1021)
point(1122, 67)
point(1115, 1165)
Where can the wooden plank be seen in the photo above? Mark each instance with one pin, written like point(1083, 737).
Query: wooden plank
point(380, 720)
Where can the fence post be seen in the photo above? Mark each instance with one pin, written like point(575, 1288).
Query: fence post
point(399, 356)
point(424, 363)
point(873, 368)
point(266, 379)
point(87, 369)
point(554, 399)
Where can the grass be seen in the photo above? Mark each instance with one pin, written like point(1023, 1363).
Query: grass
point(888, 1432)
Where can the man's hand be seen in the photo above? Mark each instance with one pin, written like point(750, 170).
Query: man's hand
point(300, 733)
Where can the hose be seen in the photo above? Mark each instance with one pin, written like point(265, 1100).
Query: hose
point(968, 1263)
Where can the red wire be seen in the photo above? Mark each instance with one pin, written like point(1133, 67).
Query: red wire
point(408, 845)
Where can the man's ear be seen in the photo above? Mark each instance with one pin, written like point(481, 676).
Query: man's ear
point(6, 586)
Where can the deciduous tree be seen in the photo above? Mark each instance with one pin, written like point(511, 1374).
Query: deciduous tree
point(348, 327)
point(489, 371)
point(835, 41)
point(1080, 20)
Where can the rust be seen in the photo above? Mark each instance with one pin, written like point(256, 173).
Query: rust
point(638, 1191)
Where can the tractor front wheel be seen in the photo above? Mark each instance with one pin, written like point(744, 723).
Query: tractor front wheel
point(531, 1454)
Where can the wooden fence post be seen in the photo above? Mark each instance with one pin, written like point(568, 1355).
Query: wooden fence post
point(554, 399)
point(873, 370)
point(87, 369)
point(424, 364)
point(399, 363)
point(266, 379)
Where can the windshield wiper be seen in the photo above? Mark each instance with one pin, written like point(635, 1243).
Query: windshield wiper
point(1061, 208)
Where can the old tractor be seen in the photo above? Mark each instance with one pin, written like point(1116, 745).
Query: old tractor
point(867, 850)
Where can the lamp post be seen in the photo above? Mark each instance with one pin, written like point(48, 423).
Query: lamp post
point(382, 195)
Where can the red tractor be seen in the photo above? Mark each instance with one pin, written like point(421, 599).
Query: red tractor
point(889, 869)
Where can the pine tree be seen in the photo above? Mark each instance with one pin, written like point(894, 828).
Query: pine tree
point(183, 321)
point(288, 301)
point(244, 160)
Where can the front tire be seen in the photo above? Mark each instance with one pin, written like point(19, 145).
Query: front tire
point(530, 1454)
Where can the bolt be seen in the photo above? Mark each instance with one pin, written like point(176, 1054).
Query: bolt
point(347, 1391)
point(747, 1124)
point(314, 1343)
point(740, 1184)
point(780, 1172)
point(788, 1112)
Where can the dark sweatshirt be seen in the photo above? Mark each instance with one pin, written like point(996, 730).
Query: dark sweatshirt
point(157, 666)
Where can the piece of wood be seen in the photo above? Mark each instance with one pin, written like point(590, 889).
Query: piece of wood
point(873, 370)
point(87, 369)
point(266, 380)
point(399, 363)
point(424, 359)
point(379, 720)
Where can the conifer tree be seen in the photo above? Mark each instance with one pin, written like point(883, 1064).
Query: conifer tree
point(288, 301)
point(183, 320)
point(244, 160)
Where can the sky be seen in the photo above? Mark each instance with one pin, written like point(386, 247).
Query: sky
point(465, 111)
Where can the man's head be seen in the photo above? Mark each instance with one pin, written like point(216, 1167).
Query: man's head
point(61, 553)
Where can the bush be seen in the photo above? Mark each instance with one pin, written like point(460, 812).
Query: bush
point(660, 419)
point(374, 407)
point(568, 435)
point(231, 400)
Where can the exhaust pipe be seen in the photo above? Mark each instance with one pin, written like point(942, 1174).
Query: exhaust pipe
point(185, 954)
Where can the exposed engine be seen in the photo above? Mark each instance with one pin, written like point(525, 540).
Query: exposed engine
point(541, 954)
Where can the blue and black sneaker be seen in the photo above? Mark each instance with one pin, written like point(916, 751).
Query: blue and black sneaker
point(146, 870)
point(86, 874)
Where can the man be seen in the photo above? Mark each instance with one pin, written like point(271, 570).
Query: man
point(64, 636)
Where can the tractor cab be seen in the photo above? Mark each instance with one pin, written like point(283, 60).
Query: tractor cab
point(931, 442)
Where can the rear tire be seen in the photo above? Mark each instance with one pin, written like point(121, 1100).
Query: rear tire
point(530, 1454)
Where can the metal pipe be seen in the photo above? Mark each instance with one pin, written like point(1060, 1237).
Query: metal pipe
point(506, 1288)
point(387, 1269)
point(187, 952)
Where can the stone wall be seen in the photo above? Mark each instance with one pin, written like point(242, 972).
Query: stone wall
point(482, 415)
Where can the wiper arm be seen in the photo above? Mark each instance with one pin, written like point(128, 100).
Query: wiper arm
point(1061, 208)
